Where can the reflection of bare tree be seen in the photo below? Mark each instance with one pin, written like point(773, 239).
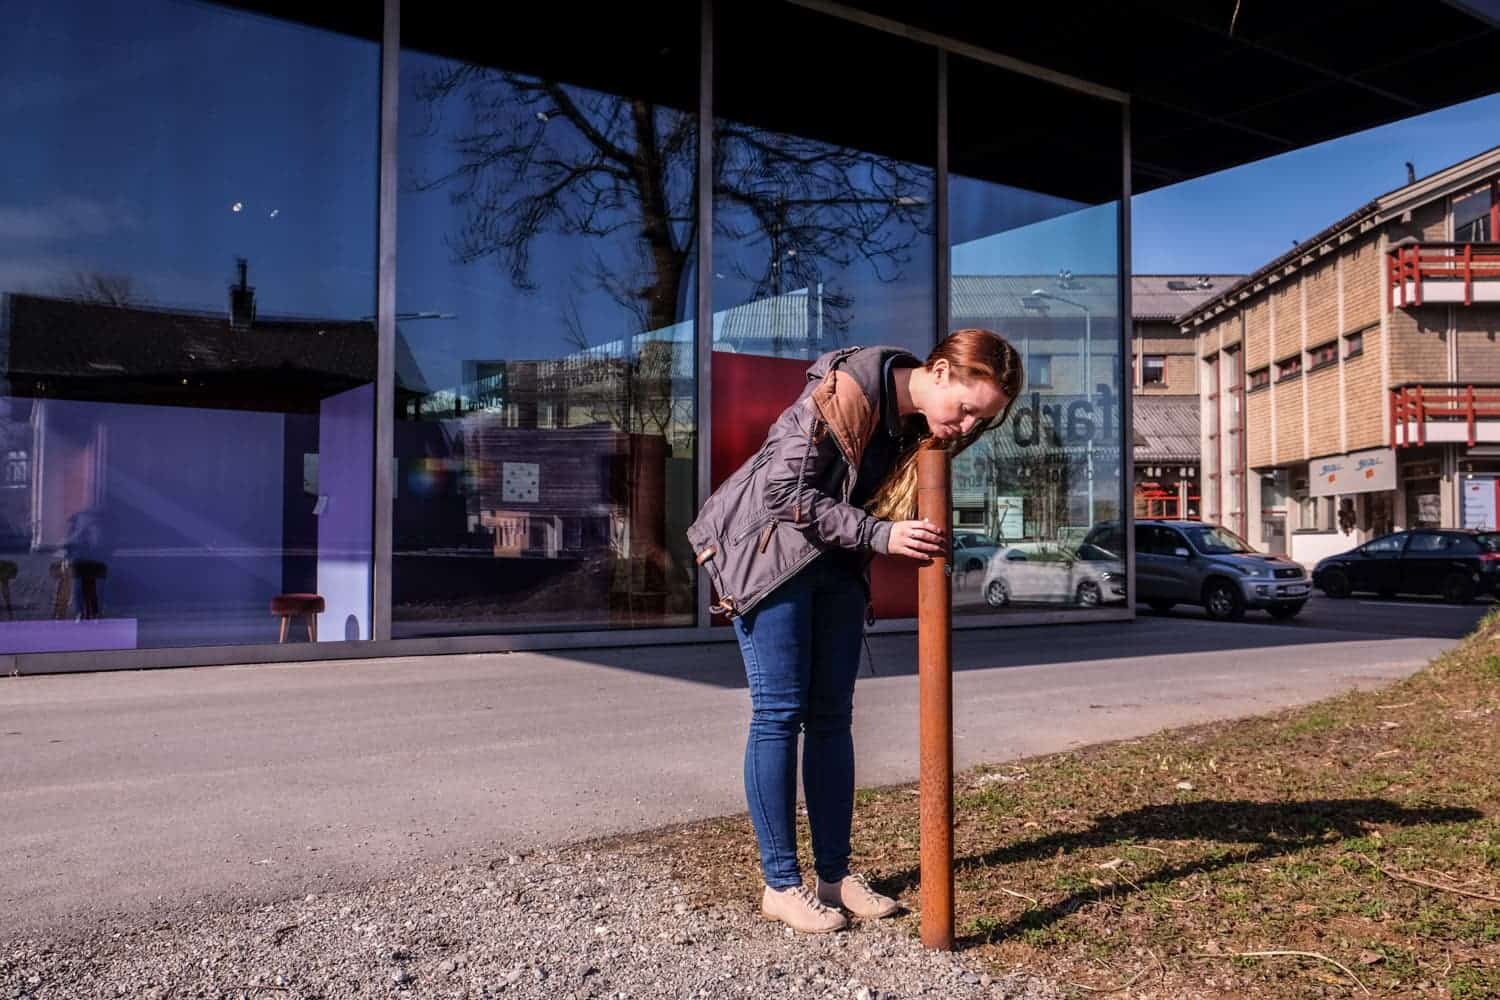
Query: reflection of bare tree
point(1040, 473)
point(99, 289)
point(537, 157)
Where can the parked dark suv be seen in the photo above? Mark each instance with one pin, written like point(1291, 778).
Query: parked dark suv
point(1190, 562)
point(1455, 565)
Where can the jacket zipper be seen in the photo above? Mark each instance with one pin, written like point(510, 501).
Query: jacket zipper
point(757, 526)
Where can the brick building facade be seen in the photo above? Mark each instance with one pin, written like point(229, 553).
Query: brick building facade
point(1352, 386)
point(1164, 380)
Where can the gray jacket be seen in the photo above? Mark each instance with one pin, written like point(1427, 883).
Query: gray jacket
point(790, 501)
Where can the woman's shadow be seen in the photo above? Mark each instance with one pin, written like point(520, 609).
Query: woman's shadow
point(1264, 829)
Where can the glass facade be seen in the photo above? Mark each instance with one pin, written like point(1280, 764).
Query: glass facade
point(187, 298)
point(1034, 224)
point(544, 431)
point(189, 273)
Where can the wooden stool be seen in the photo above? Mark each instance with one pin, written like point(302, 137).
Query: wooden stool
point(289, 606)
point(8, 572)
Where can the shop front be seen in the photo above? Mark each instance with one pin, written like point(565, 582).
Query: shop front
point(370, 333)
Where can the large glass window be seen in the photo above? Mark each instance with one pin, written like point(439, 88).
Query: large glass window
point(187, 290)
point(545, 434)
point(1035, 235)
point(824, 214)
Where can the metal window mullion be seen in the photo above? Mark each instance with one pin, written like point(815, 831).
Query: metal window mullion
point(704, 320)
point(942, 252)
point(1127, 401)
point(957, 46)
point(385, 327)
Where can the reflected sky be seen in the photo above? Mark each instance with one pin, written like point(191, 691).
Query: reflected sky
point(129, 159)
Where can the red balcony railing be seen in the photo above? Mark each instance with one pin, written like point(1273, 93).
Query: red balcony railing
point(1455, 262)
point(1441, 401)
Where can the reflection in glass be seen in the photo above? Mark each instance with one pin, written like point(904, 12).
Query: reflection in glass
point(544, 422)
point(186, 289)
point(1040, 497)
point(818, 246)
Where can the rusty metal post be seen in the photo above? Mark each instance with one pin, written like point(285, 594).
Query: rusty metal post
point(935, 683)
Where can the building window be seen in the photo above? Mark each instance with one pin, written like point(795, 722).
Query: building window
point(1260, 378)
point(1354, 344)
point(1323, 355)
point(1154, 369)
point(1471, 217)
point(1313, 513)
point(1289, 368)
point(1039, 371)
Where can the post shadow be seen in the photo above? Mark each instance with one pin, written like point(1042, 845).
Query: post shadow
point(1264, 829)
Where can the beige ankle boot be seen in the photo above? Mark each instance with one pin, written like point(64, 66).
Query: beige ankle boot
point(855, 895)
point(800, 910)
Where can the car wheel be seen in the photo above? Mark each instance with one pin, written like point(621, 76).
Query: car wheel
point(1335, 584)
point(1089, 595)
point(1285, 612)
point(997, 594)
point(1458, 588)
point(1223, 601)
point(1161, 607)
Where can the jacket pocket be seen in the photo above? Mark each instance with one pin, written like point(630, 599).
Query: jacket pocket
point(755, 527)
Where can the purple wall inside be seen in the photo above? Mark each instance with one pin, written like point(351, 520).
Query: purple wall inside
point(346, 475)
point(189, 503)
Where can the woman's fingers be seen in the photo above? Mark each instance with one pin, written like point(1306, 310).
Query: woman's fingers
point(917, 539)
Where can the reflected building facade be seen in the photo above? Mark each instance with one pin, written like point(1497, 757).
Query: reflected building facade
point(609, 251)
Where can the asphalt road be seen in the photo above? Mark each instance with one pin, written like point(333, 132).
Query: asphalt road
point(1408, 616)
point(128, 791)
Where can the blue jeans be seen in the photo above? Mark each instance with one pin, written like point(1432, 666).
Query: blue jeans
point(801, 650)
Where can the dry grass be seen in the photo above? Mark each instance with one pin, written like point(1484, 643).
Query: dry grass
point(1155, 867)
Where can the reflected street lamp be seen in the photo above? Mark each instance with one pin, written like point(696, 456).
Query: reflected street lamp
point(1085, 358)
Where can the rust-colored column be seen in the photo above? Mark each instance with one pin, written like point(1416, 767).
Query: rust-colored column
point(935, 682)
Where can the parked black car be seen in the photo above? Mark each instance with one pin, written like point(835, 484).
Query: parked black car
point(1456, 565)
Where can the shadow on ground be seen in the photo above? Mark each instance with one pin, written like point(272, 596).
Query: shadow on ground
point(1032, 645)
point(1243, 832)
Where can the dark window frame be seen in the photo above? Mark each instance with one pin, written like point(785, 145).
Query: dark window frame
point(1146, 364)
point(1330, 349)
point(1354, 342)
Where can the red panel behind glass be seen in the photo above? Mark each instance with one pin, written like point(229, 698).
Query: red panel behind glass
point(749, 393)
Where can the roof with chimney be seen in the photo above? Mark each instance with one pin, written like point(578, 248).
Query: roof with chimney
point(79, 349)
point(1167, 296)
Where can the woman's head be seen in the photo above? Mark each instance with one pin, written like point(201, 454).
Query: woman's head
point(967, 385)
point(967, 382)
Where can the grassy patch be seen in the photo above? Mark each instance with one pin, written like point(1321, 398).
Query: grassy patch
point(1172, 856)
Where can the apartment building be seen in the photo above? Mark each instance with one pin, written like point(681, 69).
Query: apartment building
point(1351, 386)
point(1164, 382)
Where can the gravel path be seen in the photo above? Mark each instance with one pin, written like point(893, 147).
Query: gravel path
point(567, 924)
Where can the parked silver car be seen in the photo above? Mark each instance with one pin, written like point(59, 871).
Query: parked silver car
point(1048, 573)
point(1190, 562)
point(972, 553)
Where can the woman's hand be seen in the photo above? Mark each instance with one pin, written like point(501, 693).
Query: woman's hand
point(920, 540)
